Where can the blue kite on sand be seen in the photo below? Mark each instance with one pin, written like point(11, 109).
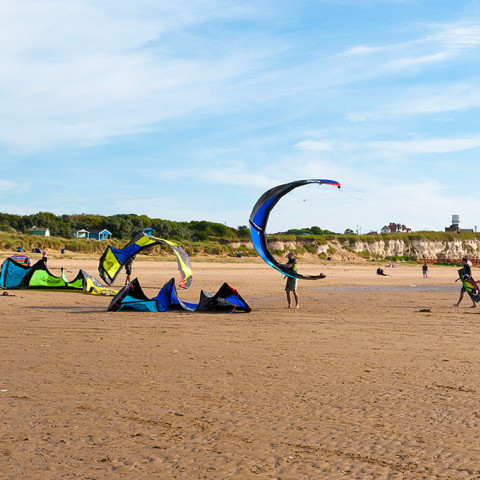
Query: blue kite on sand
point(132, 298)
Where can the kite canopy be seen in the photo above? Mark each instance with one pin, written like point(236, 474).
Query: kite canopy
point(22, 259)
point(259, 218)
point(132, 298)
point(113, 259)
point(14, 275)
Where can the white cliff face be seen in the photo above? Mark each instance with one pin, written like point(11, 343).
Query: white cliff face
point(420, 249)
point(237, 245)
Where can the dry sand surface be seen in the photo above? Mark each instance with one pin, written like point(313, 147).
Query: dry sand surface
point(365, 383)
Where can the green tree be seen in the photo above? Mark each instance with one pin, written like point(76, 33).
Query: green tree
point(243, 231)
point(316, 230)
point(127, 229)
point(182, 232)
point(201, 236)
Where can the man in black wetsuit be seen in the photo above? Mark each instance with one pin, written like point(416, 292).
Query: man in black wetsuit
point(291, 285)
point(465, 272)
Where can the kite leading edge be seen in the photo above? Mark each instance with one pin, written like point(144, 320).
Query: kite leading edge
point(259, 218)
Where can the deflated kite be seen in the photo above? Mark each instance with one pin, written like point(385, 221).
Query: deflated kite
point(113, 259)
point(132, 298)
point(259, 218)
point(14, 274)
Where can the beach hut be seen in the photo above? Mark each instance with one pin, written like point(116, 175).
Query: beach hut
point(100, 234)
point(41, 232)
point(81, 233)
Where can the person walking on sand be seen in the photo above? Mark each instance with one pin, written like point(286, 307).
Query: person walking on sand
point(467, 273)
point(291, 285)
point(44, 255)
point(425, 270)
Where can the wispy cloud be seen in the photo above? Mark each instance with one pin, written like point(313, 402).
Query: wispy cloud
point(6, 186)
point(445, 43)
point(425, 100)
point(389, 147)
point(63, 82)
point(458, 36)
point(315, 145)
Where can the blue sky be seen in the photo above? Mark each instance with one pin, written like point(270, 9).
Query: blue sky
point(191, 110)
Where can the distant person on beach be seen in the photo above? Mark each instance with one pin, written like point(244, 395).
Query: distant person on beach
point(291, 285)
point(381, 272)
point(425, 270)
point(44, 255)
point(467, 269)
point(128, 269)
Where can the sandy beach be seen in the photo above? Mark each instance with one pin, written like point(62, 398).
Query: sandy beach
point(380, 381)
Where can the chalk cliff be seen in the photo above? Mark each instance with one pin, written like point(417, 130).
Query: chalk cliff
point(368, 248)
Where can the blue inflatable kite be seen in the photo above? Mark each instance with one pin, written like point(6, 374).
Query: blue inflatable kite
point(259, 218)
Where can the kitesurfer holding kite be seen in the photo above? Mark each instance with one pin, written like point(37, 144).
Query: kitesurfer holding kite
point(44, 255)
point(291, 285)
point(467, 273)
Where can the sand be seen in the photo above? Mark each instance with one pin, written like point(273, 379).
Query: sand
point(359, 384)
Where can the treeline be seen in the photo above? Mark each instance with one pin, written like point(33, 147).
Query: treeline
point(309, 231)
point(122, 226)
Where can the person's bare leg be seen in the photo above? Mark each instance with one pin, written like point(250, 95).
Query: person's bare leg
point(295, 295)
point(459, 300)
point(289, 299)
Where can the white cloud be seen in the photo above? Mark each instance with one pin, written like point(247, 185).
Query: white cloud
point(459, 36)
point(426, 99)
point(314, 145)
point(81, 71)
point(407, 63)
point(7, 186)
point(423, 146)
point(389, 148)
point(446, 43)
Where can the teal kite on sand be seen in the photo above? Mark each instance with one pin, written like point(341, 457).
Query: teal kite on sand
point(16, 275)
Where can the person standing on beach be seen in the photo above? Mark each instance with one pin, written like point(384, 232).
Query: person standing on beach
point(44, 255)
point(128, 269)
point(425, 270)
point(467, 268)
point(291, 285)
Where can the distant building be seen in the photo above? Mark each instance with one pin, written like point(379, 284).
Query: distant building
point(455, 226)
point(41, 232)
point(100, 234)
point(81, 233)
point(397, 228)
